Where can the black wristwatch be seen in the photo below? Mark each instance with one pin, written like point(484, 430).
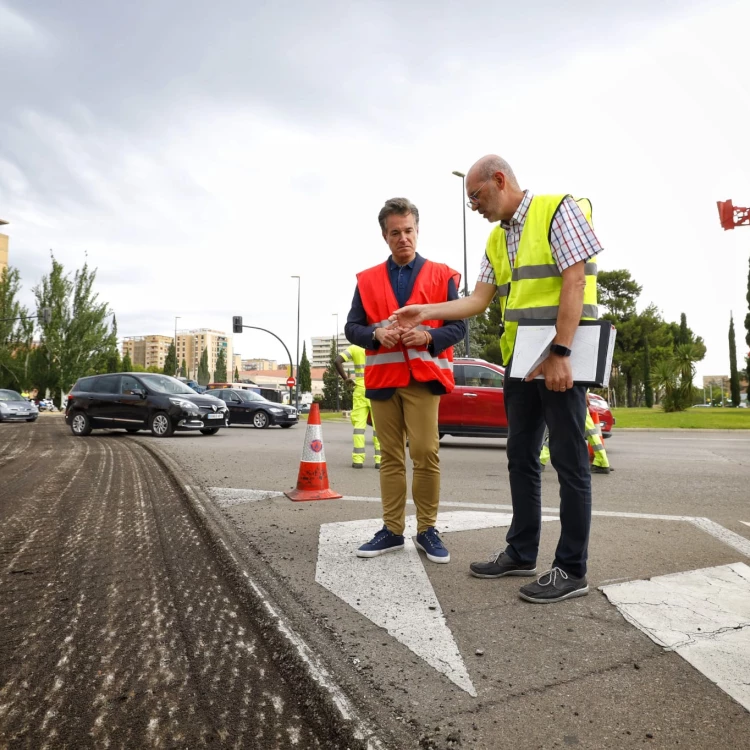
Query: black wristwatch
point(561, 351)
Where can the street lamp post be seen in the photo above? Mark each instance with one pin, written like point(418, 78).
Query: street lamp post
point(337, 354)
point(296, 390)
point(466, 271)
point(176, 360)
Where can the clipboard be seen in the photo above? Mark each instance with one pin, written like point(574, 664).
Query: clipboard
point(593, 348)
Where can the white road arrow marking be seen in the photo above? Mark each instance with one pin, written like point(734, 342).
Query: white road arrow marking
point(703, 615)
point(394, 591)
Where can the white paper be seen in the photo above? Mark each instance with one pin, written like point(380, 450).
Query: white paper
point(532, 348)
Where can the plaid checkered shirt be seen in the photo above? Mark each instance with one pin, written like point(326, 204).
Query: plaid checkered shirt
point(571, 237)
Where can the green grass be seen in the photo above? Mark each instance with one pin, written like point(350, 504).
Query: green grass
point(716, 418)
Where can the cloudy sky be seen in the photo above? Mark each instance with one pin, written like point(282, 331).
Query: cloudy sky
point(200, 154)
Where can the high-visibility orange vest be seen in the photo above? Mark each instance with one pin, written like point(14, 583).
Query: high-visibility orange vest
point(394, 367)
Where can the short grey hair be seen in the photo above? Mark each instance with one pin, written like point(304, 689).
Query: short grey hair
point(399, 207)
point(488, 165)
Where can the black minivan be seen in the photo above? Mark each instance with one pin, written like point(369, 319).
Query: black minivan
point(139, 400)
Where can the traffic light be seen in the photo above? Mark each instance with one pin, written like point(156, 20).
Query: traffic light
point(237, 324)
point(46, 315)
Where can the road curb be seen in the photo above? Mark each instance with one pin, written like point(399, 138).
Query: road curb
point(307, 675)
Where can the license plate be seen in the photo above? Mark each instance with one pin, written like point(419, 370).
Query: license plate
point(215, 416)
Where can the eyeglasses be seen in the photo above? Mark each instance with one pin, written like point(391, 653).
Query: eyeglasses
point(473, 200)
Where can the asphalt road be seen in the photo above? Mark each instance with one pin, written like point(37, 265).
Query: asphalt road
point(119, 627)
point(163, 593)
point(576, 673)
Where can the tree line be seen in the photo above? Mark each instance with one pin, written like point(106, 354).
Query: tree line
point(77, 337)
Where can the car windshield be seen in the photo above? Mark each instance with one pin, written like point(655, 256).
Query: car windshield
point(10, 396)
point(165, 384)
point(249, 396)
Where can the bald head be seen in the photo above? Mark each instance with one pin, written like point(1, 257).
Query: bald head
point(488, 165)
point(492, 188)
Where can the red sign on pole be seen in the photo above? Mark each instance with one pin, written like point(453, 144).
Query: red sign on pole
point(291, 382)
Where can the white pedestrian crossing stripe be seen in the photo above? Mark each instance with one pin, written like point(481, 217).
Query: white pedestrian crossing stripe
point(703, 615)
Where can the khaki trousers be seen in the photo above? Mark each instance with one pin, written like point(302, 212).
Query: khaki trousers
point(412, 412)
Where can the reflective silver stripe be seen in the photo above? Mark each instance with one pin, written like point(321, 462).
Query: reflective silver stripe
point(598, 447)
point(374, 435)
point(594, 431)
point(377, 451)
point(503, 289)
point(543, 271)
point(358, 450)
point(444, 364)
point(385, 359)
point(383, 324)
point(547, 271)
point(544, 313)
point(359, 368)
point(359, 431)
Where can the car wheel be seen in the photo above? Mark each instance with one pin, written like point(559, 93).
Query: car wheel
point(260, 420)
point(161, 425)
point(80, 424)
point(209, 431)
point(133, 430)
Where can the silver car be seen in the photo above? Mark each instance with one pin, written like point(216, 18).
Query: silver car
point(15, 408)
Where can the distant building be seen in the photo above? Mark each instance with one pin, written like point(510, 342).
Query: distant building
point(147, 351)
point(259, 364)
point(3, 249)
point(236, 364)
point(190, 346)
point(321, 349)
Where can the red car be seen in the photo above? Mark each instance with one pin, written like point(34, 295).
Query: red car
point(476, 407)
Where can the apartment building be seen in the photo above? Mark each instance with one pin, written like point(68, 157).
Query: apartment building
point(147, 351)
point(321, 349)
point(190, 346)
point(3, 249)
point(259, 364)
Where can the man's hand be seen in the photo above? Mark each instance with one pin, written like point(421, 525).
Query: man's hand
point(388, 337)
point(409, 317)
point(415, 337)
point(558, 374)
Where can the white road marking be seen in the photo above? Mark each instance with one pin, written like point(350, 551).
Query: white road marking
point(723, 535)
point(703, 615)
point(747, 523)
point(713, 439)
point(394, 591)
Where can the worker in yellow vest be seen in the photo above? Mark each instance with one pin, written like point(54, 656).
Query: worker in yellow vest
point(361, 410)
point(540, 261)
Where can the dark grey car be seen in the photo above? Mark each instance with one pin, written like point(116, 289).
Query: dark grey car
point(136, 401)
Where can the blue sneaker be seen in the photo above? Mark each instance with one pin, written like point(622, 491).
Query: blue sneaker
point(384, 541)
point(429, 542)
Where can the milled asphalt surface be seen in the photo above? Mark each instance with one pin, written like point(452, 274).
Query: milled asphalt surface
point(571, 674)
point(122, 626)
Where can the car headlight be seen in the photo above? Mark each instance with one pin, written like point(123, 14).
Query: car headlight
point(276, 410)
point(3, 407)
point(183, 403)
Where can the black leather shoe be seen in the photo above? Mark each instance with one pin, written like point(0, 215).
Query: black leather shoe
point(500, 565)
point(554, 586)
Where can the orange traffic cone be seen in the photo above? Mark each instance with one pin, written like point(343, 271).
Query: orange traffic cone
point(312, 480)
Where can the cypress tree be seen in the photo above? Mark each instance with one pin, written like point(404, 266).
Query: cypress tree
point(305, 377)
point(734, 378)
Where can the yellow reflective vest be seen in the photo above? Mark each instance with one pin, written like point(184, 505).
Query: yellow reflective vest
point(531, 289)
point(356, 355)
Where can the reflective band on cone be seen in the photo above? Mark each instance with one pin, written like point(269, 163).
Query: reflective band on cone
point(312, 480)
